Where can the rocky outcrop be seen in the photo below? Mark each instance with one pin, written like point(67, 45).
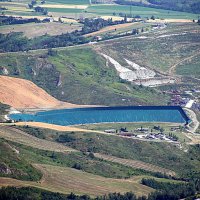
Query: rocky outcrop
point(4, 71)
point(4, 169)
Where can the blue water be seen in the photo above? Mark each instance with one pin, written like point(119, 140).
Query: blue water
point(77, 116)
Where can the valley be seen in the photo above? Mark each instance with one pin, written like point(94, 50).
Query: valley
point(99, 100)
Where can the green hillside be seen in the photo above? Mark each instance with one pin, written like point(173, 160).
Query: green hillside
point(169, 156)
point(79, 75)
point(12, 164)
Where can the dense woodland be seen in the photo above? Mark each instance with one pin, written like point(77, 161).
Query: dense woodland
point(17, 42)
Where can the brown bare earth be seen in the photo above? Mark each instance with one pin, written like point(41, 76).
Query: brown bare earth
point(66, 180)
point(56, 127)
point(20, 94)
point(136, 164)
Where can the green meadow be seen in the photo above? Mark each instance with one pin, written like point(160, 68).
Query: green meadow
point(138, 10)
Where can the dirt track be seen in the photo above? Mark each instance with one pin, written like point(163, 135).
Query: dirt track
point(173, 67)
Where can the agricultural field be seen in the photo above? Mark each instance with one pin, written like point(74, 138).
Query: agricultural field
point(78, 7)
point(59, 179)
point(144, 12)
point(166, 155)
point(119, 29)
point(24, 138)
point(74, 2)
point(135, 164)
point(98, 68)
point(60, 169)
point(34, 30)
point(163, 155)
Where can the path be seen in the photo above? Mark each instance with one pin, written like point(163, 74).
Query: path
point(195, 138)
point(172, 69)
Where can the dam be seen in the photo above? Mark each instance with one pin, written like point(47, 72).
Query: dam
point(77, 116)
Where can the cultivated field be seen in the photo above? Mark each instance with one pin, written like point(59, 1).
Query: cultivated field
point(117, 29)
point(39, 29)
point(81, 7)
point(137, 10)
point(136, 164)
point(67, 180)
point(16, 135)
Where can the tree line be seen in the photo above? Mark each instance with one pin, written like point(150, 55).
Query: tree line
point(13, 41)
point(8, 20)
point(167, 192)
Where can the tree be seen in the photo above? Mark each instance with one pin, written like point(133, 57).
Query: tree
point(125, 18)
point(162, 130)
point(30, 6)
point(91, 155)
point(77, 166)
point(33, 2)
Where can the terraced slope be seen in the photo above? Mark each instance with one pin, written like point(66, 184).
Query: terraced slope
point(66, 180)
point(135, 164)
point(15, 135)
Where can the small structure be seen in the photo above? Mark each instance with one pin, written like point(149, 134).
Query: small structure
point(110, 131)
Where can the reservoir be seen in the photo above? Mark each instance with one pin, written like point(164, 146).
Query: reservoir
point(77, 116)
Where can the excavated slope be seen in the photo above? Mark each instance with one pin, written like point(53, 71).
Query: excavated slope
point(21, 93)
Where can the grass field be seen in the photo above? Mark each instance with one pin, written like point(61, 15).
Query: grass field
point(21, 137)
point(118, 29)
point(13, 165)
point(65, 10)
point(137, 10)
point(159, 50)
point(34, 30)
point(164, 155)
point(74, 2)
point(135, 164)
point(66, 180)
point(190, 68)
